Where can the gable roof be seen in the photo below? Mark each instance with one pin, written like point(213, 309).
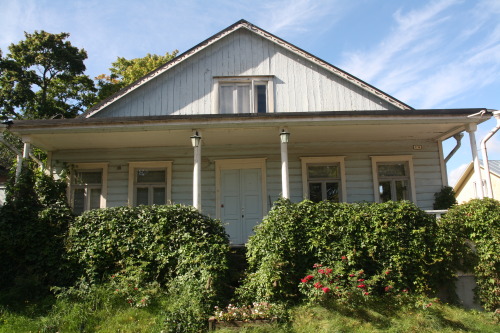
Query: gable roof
point(495, 167)
point(243, 24)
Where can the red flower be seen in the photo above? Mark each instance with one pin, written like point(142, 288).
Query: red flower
point(318, 285)
point(387, 272)
point(362, 285)
point(388, 288)
point(366, 293)
point(321, 271)
point(317, 265)
point(351, 275)
point(344, 257)
point(326, 290)
point(361, 280)
point(361, 272)
point(328, 271)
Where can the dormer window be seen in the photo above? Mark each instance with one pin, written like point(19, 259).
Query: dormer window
point(243, 94)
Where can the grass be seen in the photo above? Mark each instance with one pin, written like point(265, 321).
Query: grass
point(104, 313)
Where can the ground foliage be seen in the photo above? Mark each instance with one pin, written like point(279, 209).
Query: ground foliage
point(376, 238)
point(479, 221)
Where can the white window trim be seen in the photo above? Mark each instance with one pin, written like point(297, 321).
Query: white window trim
point(324, 160)
point(396, 158)
point(104, 181)
point(218, 80)
point(240, 163)
point(132, 166)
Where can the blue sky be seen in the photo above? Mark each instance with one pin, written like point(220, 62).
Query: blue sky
point(429, 54)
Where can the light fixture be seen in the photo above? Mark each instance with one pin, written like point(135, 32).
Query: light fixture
point(195, 140)
point(284, 136)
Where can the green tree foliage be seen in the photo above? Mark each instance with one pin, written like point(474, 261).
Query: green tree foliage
point(33, 225)
point(125, 72)
point(42, 77)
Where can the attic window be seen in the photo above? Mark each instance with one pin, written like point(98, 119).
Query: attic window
point(243, 95)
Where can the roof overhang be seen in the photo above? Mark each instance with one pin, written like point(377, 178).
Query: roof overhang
point(175, 130)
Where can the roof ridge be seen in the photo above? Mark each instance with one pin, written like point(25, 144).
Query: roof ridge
point(242, 23)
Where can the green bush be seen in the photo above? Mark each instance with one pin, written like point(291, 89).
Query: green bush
point(392, 236)
point(479, 222)
point(175, 246)
point(33, 226)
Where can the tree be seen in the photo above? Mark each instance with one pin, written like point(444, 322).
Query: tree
point(125, 72)
point(42, 77)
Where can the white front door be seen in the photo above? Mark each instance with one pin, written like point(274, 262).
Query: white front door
point(241, 202)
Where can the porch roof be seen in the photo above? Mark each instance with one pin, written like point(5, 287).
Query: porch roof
point(223, 129)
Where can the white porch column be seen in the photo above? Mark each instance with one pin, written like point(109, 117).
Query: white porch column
point(20, 159)
point(471, 129)
point(196, 143)
point(285, 184)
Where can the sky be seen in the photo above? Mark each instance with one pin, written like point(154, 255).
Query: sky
point(430, 54)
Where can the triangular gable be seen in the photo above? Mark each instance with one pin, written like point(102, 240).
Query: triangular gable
point(242, 24)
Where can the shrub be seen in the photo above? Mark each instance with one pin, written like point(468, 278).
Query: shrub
point(175, 246)
point(479, 221)
point(445, 198)
point(395, 236)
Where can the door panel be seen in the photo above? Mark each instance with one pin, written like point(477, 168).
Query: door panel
point(241, 202)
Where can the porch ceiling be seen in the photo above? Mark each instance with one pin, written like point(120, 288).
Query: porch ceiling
point(217, 131)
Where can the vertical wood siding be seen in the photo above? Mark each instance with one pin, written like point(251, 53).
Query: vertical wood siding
point(357, 165)
point(300, 85)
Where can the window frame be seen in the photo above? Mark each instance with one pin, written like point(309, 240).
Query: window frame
point(325, 160)
point(407, 160)
point(149, 165)
point(87, 167)
point(252, 81)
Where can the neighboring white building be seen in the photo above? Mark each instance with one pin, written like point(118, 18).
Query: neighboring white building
point(466, 190)
point(240, 92)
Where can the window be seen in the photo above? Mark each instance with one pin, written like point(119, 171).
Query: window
point(323, 178)
point(244, 94)
point(149, 183)
point(393, 178)
point(88, 187)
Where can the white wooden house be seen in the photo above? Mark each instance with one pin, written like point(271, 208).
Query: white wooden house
point(241, 93)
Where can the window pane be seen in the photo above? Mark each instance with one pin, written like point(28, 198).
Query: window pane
point(88, 177)
point(385, 191)
point(243, 98)
point(159, 196)
point(315, 193)
point(150, 176)
point(78, 201)
point(142, 196)
point(332, 192)
point(95, 198)
point(391, 170)
point(323, 171)
point(226, 99)
point(261, 102)
point(401, 193)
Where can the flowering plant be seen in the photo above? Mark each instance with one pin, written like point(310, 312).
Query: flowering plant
point(256, 311)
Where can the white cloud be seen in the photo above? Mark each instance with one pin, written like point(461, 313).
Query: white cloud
point(435, 56)
point(283, 17)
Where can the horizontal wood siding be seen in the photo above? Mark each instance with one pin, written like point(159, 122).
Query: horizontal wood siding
point(357, 165)
point(300, 85)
